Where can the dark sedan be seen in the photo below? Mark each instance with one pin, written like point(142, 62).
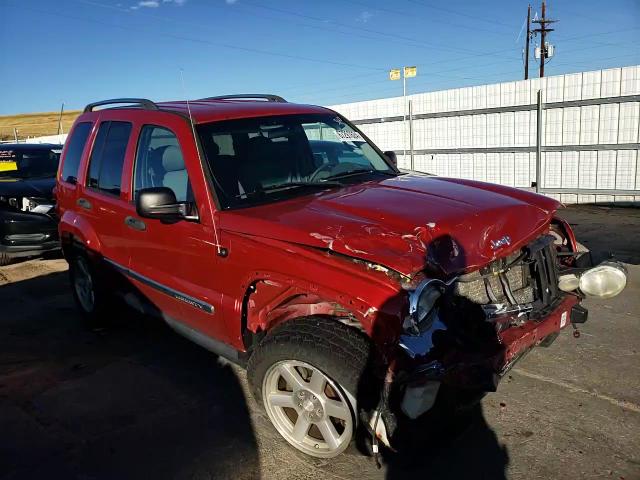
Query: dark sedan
point(28, 224)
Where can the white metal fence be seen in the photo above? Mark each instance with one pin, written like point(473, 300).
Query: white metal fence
point(588, 143)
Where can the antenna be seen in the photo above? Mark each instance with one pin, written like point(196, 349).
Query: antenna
point(221, 251)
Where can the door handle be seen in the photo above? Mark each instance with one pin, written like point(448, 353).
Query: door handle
point(84, 203)
point(134, 223)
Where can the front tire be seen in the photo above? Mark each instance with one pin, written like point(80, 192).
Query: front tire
point(307, 374)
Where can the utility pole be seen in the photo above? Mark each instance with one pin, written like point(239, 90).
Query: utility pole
point(543, 30)
point(526, 50)
point(60, 119)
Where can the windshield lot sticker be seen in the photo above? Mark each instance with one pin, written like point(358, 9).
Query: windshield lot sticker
point(349, 136)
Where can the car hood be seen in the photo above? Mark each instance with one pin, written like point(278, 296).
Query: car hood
point(36, 187)
point(406, 223)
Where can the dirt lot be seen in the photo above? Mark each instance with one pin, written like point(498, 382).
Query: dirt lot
point(137, 401)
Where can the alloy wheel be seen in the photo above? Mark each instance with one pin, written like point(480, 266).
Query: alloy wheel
point(307, 408)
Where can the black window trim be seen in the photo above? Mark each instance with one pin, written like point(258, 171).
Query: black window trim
point(99, 190)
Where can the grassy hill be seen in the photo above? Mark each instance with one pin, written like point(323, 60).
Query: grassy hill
point(35, 124)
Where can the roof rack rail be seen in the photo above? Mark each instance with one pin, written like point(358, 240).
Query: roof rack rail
point(249, 96)
point(142, 102)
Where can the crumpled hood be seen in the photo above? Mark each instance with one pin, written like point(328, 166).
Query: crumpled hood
point(405, 223)
point(37, 187)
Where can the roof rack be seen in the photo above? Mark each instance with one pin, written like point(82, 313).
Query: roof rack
point(249, 96)
point(141, 102)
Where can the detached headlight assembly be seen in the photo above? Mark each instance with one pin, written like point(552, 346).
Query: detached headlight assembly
point(604, 281)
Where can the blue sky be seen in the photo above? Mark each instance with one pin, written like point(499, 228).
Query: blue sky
point(325, 52)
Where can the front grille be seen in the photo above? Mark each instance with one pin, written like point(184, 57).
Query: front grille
point(529, 276)
point(544, 267)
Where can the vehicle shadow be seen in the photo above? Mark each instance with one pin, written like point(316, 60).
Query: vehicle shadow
point(452, 439)
point(130, 399)
point(468, 450)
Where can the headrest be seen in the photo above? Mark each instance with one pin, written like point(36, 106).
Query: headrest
point(172, 159)
point(258, 143)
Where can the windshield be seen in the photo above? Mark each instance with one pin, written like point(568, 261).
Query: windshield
point(28, 163)
point(263, 159)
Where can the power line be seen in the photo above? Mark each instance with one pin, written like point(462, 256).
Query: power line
point(351, 27)
point(235, 11)
point(454, 60)
point(208, 42)
point(462, 14)
point(474, 28)
point(493, 74)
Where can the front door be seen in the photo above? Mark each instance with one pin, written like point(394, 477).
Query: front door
point(174, 264)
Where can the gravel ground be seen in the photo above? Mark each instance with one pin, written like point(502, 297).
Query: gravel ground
point(137, 401)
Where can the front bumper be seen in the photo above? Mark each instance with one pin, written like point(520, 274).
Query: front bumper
point(25, 234)
point(479, 370)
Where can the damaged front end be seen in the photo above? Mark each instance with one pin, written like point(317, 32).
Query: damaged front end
point(467, 332)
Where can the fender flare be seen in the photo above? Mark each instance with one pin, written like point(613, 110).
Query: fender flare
point(76, 232)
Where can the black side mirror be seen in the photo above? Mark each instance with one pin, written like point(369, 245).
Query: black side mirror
point(391, 155)
point(161, 203)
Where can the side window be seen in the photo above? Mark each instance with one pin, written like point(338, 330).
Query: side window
point(107, 157)
point(75, 147)
point(159, 163)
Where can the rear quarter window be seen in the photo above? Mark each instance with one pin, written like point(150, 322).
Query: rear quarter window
point(73, 155)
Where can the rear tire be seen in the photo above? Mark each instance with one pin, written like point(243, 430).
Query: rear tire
point(92, 299)
point(307, 373)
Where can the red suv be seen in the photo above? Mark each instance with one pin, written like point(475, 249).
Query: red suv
point(280, 237)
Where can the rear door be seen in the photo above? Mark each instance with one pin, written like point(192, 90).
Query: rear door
point(102, 199)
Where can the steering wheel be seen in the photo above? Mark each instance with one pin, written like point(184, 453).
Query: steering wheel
point(325, 167)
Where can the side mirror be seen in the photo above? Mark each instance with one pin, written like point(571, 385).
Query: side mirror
point(161, 203)
point(391, 155)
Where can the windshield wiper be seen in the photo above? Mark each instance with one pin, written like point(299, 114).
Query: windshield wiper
point(288, 186)
point(359, 171)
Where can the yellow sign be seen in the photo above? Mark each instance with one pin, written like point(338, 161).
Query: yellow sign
point(394, 74)
point(8, 166)
point(410, 72)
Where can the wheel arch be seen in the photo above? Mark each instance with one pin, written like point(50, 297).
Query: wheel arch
point(271, 299)
point(77, 233)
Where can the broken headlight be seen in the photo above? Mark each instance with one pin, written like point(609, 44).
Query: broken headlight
point(422, 302)
point(604, 281)
point(423, 320)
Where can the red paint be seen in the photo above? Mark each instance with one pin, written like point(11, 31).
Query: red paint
point(301, 255)
point(393, 222)
point(517, 339)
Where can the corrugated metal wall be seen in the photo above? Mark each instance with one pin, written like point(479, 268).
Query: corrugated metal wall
point(590, 135)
